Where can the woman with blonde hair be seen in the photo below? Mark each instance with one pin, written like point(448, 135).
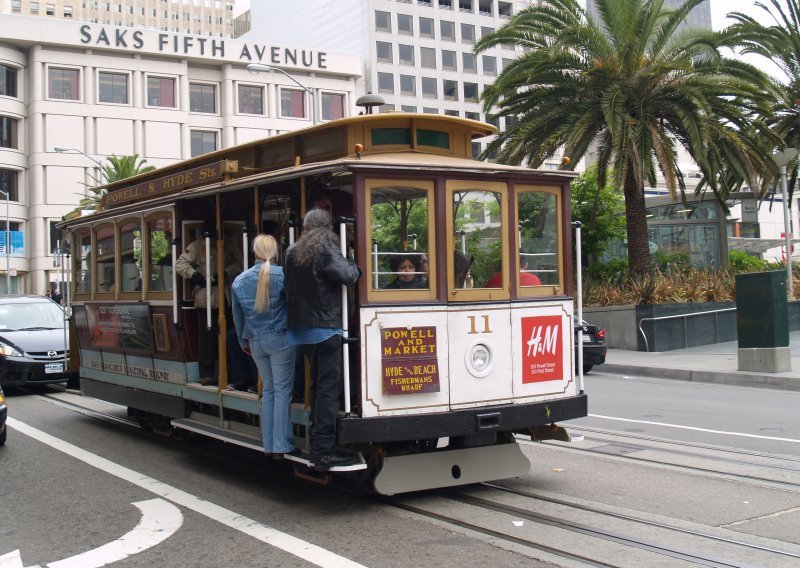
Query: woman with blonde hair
point(259, 313)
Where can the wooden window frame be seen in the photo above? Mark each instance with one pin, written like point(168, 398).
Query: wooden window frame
point(545, 290)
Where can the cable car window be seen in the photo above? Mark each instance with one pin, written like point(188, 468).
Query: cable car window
point(104, 240)
point(400, 228)
point(477, 258)
point(385, 136)
point(435, 138)
point(538, 238)
point(83, 262)
point(130, 244)
point(159, 253)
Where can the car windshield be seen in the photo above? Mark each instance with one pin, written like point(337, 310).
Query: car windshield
point(27, 316)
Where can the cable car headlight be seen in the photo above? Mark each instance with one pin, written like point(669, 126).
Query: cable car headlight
point(479, 360)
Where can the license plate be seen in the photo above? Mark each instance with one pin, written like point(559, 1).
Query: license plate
point(53, 368)
point(587, 338)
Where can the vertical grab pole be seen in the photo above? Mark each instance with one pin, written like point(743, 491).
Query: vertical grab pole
point(245, 245)
point(345, 310)
point(208, 280)
point(174, 244)
point(375, 263)
point(579, 270)
point(64, 297)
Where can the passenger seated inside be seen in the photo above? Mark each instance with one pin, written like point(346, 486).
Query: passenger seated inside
point(422, 268)
point(462, 266)
point(525, 279)
point(403, 265)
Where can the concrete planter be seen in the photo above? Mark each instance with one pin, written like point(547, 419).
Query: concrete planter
point(622, 324)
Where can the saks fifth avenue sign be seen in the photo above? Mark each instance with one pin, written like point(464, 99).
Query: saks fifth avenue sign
point(199, 46)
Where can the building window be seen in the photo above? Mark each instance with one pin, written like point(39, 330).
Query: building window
point(251, 99)
point(430, 110)
point(383, 21)
point(405, 24)
point(8, 81)
point(489, 65)
point(384, 51)
point(16, 6)
point(113, 88)
point(450, 90)
point(429, 88)
point(51, 9)
point(203, 142)
point(63, 84)
point(55, 238)
point(408, 85)
point(8, 132)
point(34, 8)
point(202, 98)
point(408, 108)
point(472, 115)
point(427, 57)
point(451, 113)
point(486, 31)
point(8, 183)
point(332, 106)
point(406, 54)
point(386, 83)
point(467, 33)
point(161, 92)
point(426, 28)
point(470, 64)
point(471, 92)
point(449, 60)
point(448, 30)
point(293, 103)
point(67, 11)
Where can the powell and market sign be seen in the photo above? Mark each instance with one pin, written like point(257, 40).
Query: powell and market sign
point(198, 46)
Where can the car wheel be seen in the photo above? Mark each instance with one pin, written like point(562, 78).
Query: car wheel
point(587, 368)
point(3, 437)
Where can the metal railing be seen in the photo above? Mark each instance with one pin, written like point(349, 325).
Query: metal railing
point(685, 316)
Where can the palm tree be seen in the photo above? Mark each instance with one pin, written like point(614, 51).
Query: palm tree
point(635, 85)
point(778, 42)
point(115, 168)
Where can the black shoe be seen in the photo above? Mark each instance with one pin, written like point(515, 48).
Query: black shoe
point(324, 463)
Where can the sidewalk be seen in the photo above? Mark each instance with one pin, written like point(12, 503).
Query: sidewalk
point(716, 363)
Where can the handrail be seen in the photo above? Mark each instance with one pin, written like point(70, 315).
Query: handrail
point(685, 342)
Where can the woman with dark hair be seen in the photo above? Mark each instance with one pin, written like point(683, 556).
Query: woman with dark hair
point(405, 268)
point(259, 313)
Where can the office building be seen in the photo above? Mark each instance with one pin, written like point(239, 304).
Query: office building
point(99, 90)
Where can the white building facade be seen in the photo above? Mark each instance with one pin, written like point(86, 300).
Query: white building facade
point(418, 54)
point(100, 90)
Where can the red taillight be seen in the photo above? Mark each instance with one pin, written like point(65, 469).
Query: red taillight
point(601, 334)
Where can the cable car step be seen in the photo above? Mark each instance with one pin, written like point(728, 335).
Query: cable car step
point(305, 459)
point(219, 433)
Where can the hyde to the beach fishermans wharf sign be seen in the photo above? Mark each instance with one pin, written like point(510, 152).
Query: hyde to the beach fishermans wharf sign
point(409, 360)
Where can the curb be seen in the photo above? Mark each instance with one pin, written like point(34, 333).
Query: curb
point(734, 378)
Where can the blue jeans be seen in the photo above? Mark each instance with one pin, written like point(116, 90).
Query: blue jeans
point(275, 361)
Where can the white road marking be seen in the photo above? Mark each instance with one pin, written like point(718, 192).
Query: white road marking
point(160, 520)
point(11, 560)
point(293, 545)
point(681, 427)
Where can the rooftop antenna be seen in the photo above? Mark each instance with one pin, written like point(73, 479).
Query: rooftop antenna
point(369, 101)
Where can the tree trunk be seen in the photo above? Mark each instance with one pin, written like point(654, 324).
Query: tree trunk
point(636, 222)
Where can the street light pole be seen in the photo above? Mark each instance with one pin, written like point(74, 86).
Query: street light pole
point(8, 245)
point(67, 149)
point(258, 67)
point(782, 158)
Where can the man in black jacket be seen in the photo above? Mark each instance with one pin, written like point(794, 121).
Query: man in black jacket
point(315, 271)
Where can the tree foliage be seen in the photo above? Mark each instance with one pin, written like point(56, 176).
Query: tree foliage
point(637, 85)
point(114, 168)
point(601, 211)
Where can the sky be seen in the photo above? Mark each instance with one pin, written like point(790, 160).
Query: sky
point(719, 9)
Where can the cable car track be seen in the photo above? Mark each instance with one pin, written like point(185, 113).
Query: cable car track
point(463, 497)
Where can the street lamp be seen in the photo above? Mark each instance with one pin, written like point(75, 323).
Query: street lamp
point(67, 149)
point(8, 245)
point(782, 158)
point(258, 67)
